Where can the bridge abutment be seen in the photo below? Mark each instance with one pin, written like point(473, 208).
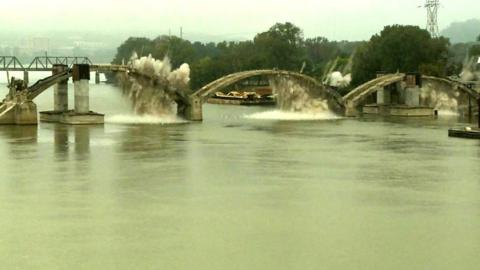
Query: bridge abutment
point(191, 108)
point(26, 113)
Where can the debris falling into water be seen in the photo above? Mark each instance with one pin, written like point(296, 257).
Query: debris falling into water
point(293, 97)
point(153, 85)
point(441, 97)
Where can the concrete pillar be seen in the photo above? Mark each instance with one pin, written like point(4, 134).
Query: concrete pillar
point(25, 77)
point(412, 96)
point(97, 77)
point(81, 78)
point(401, 92)
point(384, 96)
point(351, 110)
point(60, 93)
point(191, 108)
point(26, 113)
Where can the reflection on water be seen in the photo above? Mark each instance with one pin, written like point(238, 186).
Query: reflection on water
point(233, 192)
point(19, 134)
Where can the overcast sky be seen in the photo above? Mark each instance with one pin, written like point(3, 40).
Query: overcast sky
point(347, 19)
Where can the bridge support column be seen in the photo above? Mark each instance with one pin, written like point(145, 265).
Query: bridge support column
point(26, 113)
point(81, 115)
point(18, 113)
point(97, 77)
point(351, 110)
point(60, 98)
point(81, 88)
point(25, 77)
point(384, 96)
point(412, 96)
point(191, 109)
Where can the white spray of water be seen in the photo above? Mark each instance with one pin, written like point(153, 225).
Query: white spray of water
point(153, 92)
point(292, 97)
point(441, 98)
point(295, 103)
point(292, 116)
point(144, 119)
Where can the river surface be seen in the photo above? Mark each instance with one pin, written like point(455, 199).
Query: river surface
point(241, 190)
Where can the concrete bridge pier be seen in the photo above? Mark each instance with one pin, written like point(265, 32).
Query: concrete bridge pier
point(17, 109)
point(81, 115)
point(26, 113)
point(25, 77)
point(190, 108)
point(81, 88)
point(60, 98)
point(351, 111)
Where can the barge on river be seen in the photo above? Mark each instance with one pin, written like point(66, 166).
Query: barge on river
point(242, 98)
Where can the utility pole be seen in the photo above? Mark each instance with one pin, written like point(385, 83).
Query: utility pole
point(432, 7)
point(181, 32)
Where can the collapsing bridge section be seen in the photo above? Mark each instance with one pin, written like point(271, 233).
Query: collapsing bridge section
point(190, 107)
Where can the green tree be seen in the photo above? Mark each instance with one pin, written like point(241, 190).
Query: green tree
point(474, 50)
point(141, 46)
point(178, 50)
point(281, 47)
point(400, 48)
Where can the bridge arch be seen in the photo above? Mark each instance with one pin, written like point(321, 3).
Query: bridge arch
point(357, 97)
point(230, 79)
point(454, 85)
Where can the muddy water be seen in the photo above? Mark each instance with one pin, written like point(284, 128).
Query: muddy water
point(243, 190)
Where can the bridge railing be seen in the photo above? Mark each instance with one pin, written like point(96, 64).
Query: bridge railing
point(47, 62)
point(41, 63)
point(10, 62)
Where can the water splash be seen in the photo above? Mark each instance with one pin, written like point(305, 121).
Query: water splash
point(297, 102)
point(292, 116)
point(144, 119)
point(294, 96)
point(441, 98)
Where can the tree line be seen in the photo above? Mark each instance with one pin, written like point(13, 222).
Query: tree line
point(283, 46)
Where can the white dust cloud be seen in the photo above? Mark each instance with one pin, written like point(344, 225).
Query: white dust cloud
point(153, 85)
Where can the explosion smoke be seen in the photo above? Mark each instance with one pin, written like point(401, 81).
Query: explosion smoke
point(153, 85)
point(336, 79)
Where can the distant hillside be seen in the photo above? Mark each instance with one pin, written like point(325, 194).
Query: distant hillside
point(461, 32)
